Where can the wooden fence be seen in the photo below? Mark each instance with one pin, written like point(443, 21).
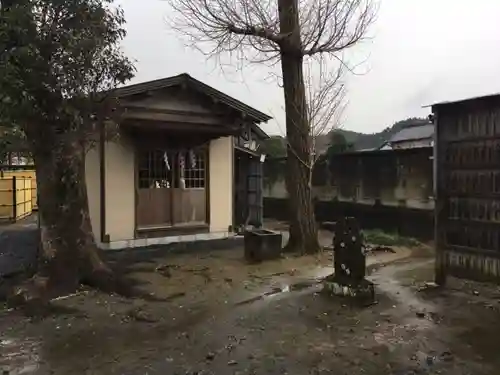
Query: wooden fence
point(18, 194)
point(16, 200)
point(23, 174)
point(468, 189)
point(405, 221)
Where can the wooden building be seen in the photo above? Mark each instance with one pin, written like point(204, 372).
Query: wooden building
point(389, 188)
point(411, 136)
point(467, 150)
point(399, 174)
point(399, 177)
point(185, 166)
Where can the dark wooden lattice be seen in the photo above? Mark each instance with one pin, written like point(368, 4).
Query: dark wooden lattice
point(164, 169)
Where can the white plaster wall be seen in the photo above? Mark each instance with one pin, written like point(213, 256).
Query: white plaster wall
point(221, 155)
point(120, 190)
point(119, 198)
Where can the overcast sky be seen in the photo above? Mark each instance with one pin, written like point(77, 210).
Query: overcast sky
point(422, 51)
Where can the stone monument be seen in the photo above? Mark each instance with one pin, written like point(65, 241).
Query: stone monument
point(349, 264)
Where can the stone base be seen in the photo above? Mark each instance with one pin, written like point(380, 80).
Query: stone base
point(363, 292)
point(262, 244)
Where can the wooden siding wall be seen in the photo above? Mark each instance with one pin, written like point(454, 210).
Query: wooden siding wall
point(468, 190)
point(388, 178)
point(406, 221)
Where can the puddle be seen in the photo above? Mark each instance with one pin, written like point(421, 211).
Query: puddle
point(411, 322)
point(385, 282)
point(281, 290)
point(319, 273)
point(310, 279)
point(411, 313)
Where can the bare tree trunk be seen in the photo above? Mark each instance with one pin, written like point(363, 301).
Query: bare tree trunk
point(68, 253)
point(303, 231)
point(321, 28)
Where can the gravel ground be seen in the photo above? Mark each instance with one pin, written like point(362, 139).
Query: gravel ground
point(276, 322)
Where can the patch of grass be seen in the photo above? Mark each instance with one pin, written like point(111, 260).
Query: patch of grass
point(381, 238)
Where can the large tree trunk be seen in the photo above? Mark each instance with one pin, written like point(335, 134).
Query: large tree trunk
point(303, 230)
point(68, 253)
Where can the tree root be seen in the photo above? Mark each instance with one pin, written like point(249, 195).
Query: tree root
point(31, 296)
point(294, 248)
point(112, 281)
point(313, 249)
point(290, 247)
point(102, 278)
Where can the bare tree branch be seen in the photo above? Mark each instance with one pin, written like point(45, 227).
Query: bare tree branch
point(298, 34)
point(326, 26)
point(325, 96)
point(332, 26)
point(231, 25)
point(326, 102)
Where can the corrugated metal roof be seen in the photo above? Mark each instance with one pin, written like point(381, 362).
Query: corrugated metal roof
point(382, 152)
point(186, 79)
point(385, 146)
point(413, 132)
point(462, 100)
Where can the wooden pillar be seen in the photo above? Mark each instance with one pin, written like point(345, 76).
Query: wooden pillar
point(14, 199)
point(440, 265)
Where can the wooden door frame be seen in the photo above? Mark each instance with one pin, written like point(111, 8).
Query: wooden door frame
point(173, 229)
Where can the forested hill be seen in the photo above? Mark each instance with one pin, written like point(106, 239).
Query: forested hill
point(360, 141)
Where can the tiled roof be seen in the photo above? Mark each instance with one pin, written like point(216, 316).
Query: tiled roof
point(186, 79)
point(481, 97)
point(413, 132)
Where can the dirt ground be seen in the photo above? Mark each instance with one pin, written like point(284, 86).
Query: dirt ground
point(215, 314)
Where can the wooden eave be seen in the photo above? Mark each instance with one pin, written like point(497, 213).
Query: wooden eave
point(174, 116)
point(185, 80)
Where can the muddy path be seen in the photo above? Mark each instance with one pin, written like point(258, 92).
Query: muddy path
point(294, 330)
